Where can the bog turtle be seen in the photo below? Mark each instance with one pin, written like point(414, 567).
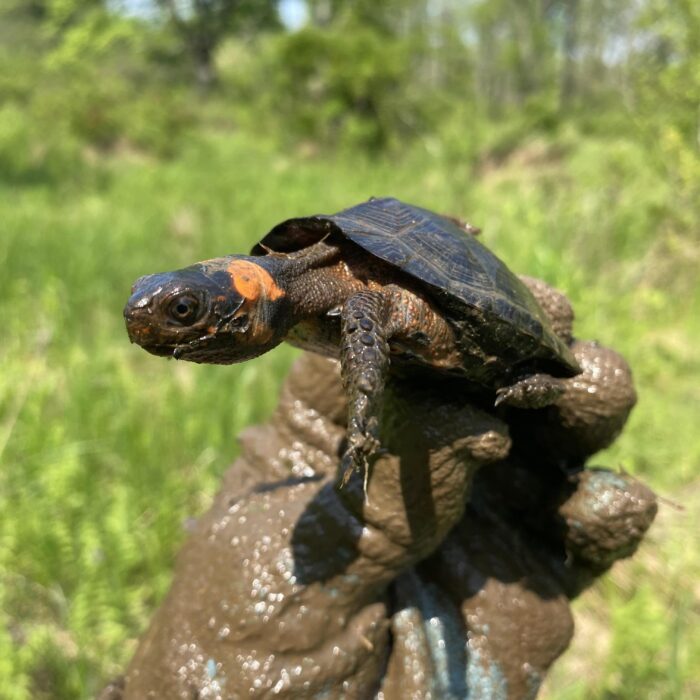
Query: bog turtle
point(381, 283)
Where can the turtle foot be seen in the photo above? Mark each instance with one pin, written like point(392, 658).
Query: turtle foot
point(534, 391)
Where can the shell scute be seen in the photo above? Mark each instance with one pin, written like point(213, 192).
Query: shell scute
point(463, 276)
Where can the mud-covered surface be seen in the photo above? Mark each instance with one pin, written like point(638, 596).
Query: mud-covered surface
point(452, 580)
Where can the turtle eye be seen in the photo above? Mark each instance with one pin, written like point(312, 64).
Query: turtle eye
point(184, 309)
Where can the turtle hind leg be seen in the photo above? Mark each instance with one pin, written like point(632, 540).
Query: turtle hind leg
point(533, 391)
point(364, 360)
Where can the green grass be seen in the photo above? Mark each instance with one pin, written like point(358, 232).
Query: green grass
point(106, 451)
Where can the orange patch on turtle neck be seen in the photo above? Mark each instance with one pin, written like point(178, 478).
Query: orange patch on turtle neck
point(252, 281)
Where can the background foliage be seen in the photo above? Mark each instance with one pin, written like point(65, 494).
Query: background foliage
point(137, 136)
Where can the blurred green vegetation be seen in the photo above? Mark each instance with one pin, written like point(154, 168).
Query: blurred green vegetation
point(141, 136)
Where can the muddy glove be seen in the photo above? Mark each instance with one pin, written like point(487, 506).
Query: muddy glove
point(450, 581)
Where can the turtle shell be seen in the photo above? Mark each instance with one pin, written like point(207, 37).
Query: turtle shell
point(475, 290)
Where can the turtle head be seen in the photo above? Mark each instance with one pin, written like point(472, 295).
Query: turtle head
point(218, 311)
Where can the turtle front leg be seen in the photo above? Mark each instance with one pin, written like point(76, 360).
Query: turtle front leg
point(533, 391)
point(364, 361)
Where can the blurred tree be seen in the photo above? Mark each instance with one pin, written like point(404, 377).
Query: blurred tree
point(362, 72)
point(84, 32)
point(369, 72)
point(201, 25)
point(21, 29)
point(570, 47)
point(31, 9)
point(516, 47)
point(667, 66)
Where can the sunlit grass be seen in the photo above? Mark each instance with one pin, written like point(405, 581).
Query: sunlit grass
point(107, 451)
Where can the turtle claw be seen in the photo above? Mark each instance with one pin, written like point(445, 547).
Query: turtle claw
point(534, 391)
point(362, 449)
point(352, 462)
point(501, 397)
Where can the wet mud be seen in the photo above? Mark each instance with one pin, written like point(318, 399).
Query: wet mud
point(452, 580)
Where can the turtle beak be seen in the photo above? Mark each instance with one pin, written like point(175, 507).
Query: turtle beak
point(139, 310)
point(137, 323)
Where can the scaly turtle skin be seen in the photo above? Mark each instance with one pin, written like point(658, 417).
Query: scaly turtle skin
point(380, 283)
